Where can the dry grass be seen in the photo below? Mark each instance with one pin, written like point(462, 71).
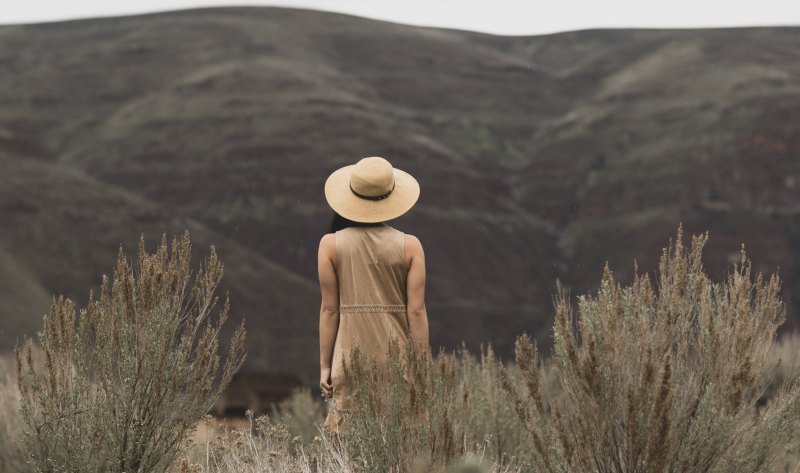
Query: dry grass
point(405, 410)
point(488, 415)
point(264, 446)
point(464, 423)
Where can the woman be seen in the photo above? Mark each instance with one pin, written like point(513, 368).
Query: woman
point(371, 276)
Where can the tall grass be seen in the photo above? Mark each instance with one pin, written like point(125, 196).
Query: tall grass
point(267, 446)
point(263, 446)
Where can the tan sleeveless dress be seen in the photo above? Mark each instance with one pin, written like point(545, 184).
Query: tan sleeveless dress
point(371, 270)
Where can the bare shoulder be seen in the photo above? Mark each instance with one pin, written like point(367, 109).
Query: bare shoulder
point(412, 245)
point(327, 244)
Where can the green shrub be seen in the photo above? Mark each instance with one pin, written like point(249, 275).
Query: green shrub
point(661, 380)
point(301, 415)
point(126, 380)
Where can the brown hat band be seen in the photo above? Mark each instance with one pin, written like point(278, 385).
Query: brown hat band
point(370, 197)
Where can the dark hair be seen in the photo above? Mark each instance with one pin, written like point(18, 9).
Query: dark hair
point(338, 223)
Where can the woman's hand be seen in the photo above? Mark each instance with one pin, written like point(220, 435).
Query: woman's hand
point(325, 384)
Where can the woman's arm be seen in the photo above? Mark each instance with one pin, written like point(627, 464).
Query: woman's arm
point(415, 288)
point(329, 310)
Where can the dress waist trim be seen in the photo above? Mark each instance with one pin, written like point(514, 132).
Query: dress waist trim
point(367, 308)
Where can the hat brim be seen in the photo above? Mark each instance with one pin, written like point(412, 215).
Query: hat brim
point(352, 207)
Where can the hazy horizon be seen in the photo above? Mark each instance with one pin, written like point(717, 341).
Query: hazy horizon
point(502, 17)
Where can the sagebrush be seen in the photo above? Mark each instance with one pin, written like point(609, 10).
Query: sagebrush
point(125, 380)
point(681, 374)
point(664, 379)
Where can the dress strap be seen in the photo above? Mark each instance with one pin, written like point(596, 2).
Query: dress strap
point(366, 308)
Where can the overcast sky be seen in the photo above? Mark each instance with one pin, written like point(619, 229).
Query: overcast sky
point(494, 16)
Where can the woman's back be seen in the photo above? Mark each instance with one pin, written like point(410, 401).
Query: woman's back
point(371, 268)
point(372, 273)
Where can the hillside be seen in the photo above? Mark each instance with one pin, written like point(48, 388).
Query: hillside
point(539, 157)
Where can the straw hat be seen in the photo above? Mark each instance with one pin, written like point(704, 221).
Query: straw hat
point(371, 191)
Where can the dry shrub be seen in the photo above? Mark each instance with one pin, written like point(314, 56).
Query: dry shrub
point(126, 379)
point(381, 436)
point(486, 412)
point(662, 380)
point(784, 365)
point(11, 455)
point(401, 409)
point(784, 373)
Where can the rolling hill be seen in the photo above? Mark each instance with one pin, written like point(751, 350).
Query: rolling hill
point(539, 158)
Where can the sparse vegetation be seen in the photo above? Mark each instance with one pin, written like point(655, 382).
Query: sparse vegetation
point(123, 383)
point(678, 375)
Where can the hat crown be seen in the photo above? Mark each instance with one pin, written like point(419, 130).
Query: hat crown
point(372, 177)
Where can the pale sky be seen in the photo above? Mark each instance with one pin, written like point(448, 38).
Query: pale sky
point(509, 17)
